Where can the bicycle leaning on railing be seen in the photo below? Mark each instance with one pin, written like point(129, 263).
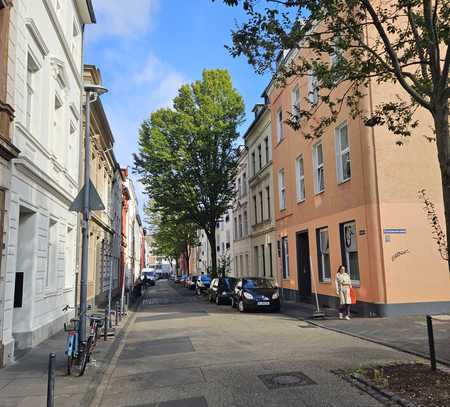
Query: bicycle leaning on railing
point(79, 353)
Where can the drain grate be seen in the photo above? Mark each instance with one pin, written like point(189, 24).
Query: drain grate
point(283, 380)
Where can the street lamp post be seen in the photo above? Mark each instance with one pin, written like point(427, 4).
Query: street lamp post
point(92, 92)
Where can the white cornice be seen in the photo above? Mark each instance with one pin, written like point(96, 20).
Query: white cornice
point(34, 32)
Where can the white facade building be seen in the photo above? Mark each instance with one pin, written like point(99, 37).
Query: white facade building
point(224, 240)
point(44, 88)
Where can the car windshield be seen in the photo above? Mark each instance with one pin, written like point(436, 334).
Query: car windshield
point(258, 283)
point(230, 282)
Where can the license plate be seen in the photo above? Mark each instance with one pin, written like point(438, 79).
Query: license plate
point(263, 303)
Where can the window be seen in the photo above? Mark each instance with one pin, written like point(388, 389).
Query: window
point(269, 246)
point(71, 154)
point(50, 279)
point(58, 124)
point(245, 224)
point(279, 125)
point(342, 153)
point(236, 237)
point(263, 258)
point(75, 40)
point(300, 179)
point(268, 201)
point(295, 100)
point(237, 265)
point(266, 147)
point(228, 238)
point(285, 257)
point(323, 254)
point(32, 69)
point(337, 51)
point(349, 247)
point(261, 205)
point(254, 163)
point(241, 232)
point(260, 157)
point(282, 189)
point(244, 184)
point(319, 176)
point(255, 207)
point(69, 256)
point(313, 91)
point(256, 254)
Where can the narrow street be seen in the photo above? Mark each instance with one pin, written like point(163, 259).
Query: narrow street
point(182, 351)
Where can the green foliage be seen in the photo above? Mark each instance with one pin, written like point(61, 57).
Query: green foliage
point(188, 157)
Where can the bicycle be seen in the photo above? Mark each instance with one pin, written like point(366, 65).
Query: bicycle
point(79, 353)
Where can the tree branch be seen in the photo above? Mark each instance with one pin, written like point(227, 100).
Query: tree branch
point(397, 70)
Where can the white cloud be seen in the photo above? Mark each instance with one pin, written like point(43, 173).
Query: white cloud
point(117, 18)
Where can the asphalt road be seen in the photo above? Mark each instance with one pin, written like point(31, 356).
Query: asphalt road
point(179, 350)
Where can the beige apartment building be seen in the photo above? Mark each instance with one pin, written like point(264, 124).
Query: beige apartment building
point(258, 141)
point(103, 168)
point(351, 198)
point(242, 260)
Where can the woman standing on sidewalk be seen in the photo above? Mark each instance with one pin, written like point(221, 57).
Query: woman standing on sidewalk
point(343, 285)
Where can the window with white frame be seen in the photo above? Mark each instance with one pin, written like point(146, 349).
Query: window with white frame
point(337, 51)
point(75, 40)
point(300, 171)
point(58, 129)
point(295, 99)
point(350, 250)
point(282, 189)
point(31, 102)
point(319, 176)
point(279, 125)
point(285, 257)
point(323, 254)
point(343, 153)
point(245, 223)
point(313, 88)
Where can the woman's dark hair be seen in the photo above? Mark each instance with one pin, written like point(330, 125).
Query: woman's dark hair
point(339, 268)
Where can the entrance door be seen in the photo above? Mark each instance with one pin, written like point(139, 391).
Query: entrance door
point(303, 266)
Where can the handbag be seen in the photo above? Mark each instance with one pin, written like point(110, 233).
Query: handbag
point(352, 295)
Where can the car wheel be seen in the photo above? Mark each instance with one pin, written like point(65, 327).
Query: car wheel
point(241, 306)
point(218, 302)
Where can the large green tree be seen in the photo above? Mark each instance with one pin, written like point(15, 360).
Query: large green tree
point(188, 156)
point(350, 43)
point(173, 237)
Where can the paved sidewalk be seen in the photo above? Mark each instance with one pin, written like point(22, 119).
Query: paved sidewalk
point(24, 384)
point(406, 333)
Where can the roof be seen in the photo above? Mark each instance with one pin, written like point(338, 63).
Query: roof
point(86, 11)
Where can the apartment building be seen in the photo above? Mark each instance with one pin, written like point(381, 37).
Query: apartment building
point(44, 88)
point(351, 198)
point(7, 152)
point(258, 141)
point(242, 263)
point(224, 241)
point(103, 170)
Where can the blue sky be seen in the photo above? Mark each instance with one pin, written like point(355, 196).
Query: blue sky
point(146, 49)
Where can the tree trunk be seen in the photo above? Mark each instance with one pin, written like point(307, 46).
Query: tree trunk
point(187, 256)
point(212, 243)
point(441, 117)
point(176, 266)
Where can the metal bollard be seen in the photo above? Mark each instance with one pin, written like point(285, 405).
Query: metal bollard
point(117, 313)
point(51, 380)
point(105, 326)
point(431, 342)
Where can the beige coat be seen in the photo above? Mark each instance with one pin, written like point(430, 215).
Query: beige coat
point(343, 284)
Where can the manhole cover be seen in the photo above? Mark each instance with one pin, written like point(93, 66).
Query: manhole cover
point(289, 379)
point(286, 380)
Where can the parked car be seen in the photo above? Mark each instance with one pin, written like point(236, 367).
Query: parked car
point(176, 279)
point(193, 283)
point(221, 290)
point(148, 277)
point(187, 282)
point(254, 293)
point(202, 284)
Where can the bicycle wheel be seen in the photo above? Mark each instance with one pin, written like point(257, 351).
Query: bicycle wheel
point(83, 358)
point(69, 365)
